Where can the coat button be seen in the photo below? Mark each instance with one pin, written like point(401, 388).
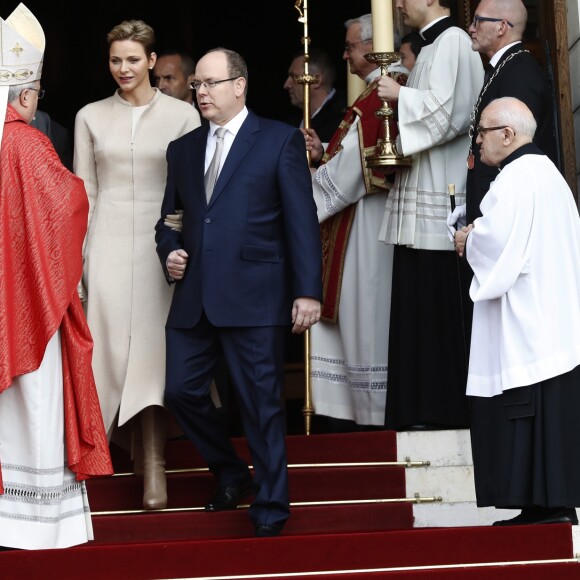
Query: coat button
point(207, 220)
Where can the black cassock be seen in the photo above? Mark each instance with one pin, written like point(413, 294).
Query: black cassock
point(525, 445)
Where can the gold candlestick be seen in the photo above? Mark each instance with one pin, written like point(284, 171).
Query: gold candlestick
point(386, 154)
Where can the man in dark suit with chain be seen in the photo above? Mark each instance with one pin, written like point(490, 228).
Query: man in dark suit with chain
point(496, 31)
point(247, 264)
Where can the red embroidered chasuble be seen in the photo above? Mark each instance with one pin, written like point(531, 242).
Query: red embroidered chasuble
point(335, 230)
point(43, 221)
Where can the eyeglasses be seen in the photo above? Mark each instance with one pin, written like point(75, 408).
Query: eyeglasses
point(348, 46)
point(477, 19)
point(39, 91)
point(481, 130)
point(196, 85)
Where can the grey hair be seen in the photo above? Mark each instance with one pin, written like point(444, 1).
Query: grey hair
point(15, 90)
point(366, 26)
point(514, 113)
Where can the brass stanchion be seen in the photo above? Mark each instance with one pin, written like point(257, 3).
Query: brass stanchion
point(306, 80)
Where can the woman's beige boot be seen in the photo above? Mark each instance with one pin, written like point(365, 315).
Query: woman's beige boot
point(154, 427)
point(137, 445)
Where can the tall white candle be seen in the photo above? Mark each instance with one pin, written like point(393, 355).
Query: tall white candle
point(354, 86)
point(382, 17)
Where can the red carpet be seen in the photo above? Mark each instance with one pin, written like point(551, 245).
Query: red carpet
point(291, 554)
point(335, 448)
point(306, 485)
point(568, 571)
point(149, 527)
point(373, 534)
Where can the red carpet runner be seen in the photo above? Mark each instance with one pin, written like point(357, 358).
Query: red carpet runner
point(362, 526)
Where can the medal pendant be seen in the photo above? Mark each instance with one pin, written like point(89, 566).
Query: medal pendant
point(470, 161)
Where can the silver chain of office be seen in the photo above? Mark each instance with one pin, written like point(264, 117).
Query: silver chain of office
point(473, 115)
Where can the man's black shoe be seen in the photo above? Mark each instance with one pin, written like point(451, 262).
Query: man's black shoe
point(267, 530)
point(229, 497)
point(531, 516)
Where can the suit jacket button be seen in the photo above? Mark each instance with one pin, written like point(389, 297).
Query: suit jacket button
point(207, 220)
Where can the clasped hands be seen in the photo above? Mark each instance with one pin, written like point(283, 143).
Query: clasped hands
point(177, 260)
point(457, 228)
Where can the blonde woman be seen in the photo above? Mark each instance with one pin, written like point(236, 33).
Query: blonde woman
point(120, 146)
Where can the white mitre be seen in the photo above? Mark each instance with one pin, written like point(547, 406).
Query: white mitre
point(21, 52)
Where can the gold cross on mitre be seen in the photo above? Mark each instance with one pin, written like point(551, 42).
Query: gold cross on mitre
point(20, 33)
point(17, 50)
point(22, 45)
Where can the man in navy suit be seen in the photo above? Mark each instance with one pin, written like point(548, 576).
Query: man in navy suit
point(246, 261)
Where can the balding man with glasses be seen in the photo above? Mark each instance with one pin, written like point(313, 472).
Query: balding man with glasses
point(247, 264)
point(496, 32)
point(524, 367)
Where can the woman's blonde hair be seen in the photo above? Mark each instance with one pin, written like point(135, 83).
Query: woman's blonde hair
point(135, 30)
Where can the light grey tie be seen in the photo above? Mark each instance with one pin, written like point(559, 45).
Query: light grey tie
point(211, 174)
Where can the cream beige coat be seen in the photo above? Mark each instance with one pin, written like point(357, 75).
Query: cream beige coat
point(128, 296)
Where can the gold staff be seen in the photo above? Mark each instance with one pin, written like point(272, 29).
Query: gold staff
point(306, 80)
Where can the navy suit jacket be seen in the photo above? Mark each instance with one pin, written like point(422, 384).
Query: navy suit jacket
point(256, 246)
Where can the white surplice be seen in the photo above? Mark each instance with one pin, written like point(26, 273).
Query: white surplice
point(525, 254)
point(43, 505)
point(434, 114)
point(349, 358)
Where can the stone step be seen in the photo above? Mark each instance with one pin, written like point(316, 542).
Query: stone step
point(451, 483)
point(449, 476)
point(457, 514)
point(441, 448)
